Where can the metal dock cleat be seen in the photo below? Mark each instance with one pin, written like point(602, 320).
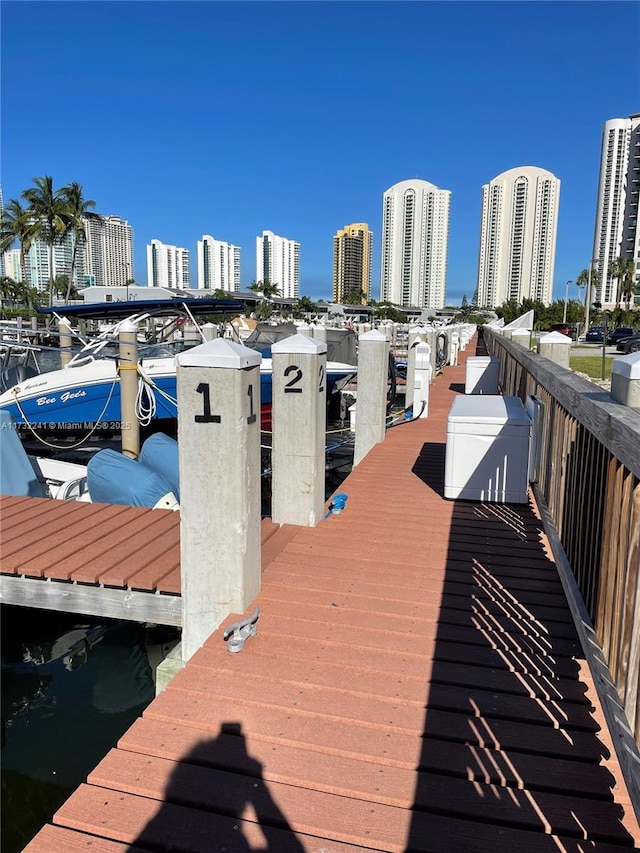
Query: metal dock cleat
point(236, 635)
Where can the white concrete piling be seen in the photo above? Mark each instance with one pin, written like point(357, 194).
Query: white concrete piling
point(65, 341)
point(625, 380)
point(421, 380)
point(128, 370)
point(210, 331)
point(220, 485)
point(371, 402)
point(415, 335)
point(299, 416)
point(556, 347)
point(454, 348)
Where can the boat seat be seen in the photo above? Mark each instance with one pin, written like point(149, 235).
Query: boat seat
point(22, 475)
point(160, 453)
point(18, 477)
point(116, 479)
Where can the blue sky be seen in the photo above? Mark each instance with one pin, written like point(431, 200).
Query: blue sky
point(191, 118)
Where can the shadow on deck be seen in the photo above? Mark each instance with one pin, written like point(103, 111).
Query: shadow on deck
point(417, 684)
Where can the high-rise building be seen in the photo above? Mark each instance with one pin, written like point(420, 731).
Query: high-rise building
point(167, 266)
point(37, 261)
point(518, 236)
point(617, 232)
point(218, 265)
point(108, 251)
point(415, 230)
point(352, 248)
point(278, 261)
point(12, 267)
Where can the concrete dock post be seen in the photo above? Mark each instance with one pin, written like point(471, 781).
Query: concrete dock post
point(371, 402)
point(415, 335)
point(191, 335)
point(455, 346)
point(65, 341)
point(128, 370)
point(522, 337)
point(210, 331)
point(556, 347)
point(422, 380)
point(299, 400)
point(220, 491)
point(320, 333)
point(625, 380)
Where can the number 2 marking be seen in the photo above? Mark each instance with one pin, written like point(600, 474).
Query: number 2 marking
point(289, 387)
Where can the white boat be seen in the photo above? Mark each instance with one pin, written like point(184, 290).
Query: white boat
point(84, 396)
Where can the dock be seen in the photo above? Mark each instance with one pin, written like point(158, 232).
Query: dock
point(417, 683)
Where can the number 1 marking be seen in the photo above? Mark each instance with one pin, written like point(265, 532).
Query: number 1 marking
point(206, 417)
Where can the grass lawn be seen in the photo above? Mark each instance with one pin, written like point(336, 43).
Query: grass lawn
point(591, 365)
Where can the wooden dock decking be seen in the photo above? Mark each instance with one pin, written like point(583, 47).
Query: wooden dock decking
point(416, 684)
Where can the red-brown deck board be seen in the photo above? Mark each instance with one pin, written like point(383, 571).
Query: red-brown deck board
point(416, 684)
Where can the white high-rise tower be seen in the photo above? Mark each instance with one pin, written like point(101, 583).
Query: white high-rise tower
point(218, 265)
point(415, 230)
point(518, 236)
point(278, 261)
point(167, 266)
point(108, 251)
point(617, 232)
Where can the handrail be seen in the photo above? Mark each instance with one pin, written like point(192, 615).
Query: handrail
point(587, 486)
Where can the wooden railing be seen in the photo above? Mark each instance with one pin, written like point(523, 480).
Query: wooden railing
point(587, 484)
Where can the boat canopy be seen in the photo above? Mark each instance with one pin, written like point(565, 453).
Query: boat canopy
point(158, 307)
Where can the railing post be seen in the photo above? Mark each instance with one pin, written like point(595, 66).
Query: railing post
point(220, 512)
point(299, 400)
point(128, 370)
point(371, 402)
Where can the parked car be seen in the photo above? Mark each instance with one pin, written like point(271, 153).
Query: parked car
point(563, 328)
point(627, 345)
point(594, 335)
point(618, 334)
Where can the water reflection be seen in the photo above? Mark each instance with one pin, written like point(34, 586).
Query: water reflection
point(71, 686)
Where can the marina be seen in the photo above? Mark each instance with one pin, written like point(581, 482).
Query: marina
point(418, 680)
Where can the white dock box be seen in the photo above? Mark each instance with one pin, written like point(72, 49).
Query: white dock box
point(482, 374)
point(487, 454)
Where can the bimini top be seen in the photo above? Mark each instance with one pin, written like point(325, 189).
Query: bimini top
point(158, 307)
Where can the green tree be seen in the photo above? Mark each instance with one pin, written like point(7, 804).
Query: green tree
point(77, 210)
point(16, 223)
point(48, 208)
point(266, 289)
point(306, 306)
point(623, 270)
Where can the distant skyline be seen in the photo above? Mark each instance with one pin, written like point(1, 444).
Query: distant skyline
point(230, 119)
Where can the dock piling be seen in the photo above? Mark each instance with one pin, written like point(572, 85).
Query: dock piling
point(219, 447)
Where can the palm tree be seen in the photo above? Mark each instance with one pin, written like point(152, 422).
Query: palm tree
point(623, 269)
point(17, 224)
point(78, 210)
point(48, 208)
point(265, 288)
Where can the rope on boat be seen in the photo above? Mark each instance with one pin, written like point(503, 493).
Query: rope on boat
point(64, 446)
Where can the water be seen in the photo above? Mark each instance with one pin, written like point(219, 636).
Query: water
point(71, 686)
